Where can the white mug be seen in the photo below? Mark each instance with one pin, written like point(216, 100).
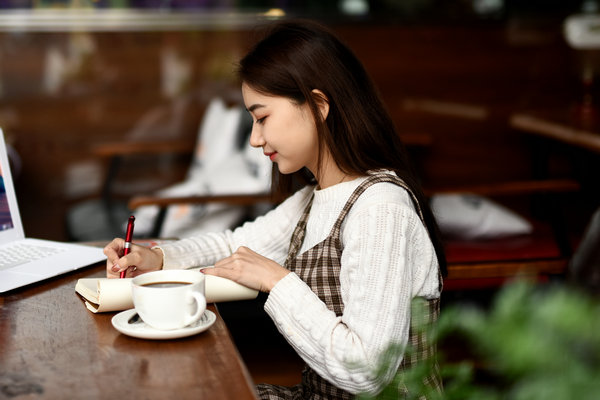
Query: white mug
point(169, 299)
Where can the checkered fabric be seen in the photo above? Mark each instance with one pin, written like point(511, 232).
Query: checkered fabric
point(320, 267)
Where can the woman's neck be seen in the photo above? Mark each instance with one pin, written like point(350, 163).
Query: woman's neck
point(330, 174)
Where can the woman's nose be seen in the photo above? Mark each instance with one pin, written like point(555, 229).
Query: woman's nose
point(256, 138)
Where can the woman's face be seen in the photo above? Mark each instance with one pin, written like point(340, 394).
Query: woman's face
point(286, 131)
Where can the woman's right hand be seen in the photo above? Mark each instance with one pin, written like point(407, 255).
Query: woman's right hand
point(139, 260)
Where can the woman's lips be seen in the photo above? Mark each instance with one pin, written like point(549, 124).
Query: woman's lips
point(271, 155)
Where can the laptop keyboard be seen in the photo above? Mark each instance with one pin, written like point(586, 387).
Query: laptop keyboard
point(19, 253)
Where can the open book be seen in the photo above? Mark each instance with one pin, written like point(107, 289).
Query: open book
point(103, 294)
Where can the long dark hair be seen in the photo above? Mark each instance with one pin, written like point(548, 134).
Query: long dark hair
point(295, 57)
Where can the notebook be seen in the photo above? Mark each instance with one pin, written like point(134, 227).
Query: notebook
point(24, 261)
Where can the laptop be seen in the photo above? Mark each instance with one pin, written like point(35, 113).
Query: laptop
point(24, 261)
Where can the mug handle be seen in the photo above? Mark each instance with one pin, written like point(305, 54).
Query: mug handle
point(201, 306)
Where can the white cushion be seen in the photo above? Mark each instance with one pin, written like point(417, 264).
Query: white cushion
point(217, 136)
point(471, 216)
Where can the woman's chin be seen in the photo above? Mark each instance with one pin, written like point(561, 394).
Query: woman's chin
point(285, 170)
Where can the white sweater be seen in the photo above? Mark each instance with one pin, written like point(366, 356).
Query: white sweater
point(387, 260)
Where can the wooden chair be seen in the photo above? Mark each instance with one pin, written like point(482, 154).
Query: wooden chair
point(110, 209)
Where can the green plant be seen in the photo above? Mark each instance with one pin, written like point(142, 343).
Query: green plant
point(533, 343)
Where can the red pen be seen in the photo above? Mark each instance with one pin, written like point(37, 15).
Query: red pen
point(128, 238)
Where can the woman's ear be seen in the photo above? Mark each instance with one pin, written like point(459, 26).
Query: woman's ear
point(322, 102)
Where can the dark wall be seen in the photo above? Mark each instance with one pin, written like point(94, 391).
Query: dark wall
point(459, 84)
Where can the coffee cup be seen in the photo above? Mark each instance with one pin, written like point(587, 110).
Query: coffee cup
point(169, 299)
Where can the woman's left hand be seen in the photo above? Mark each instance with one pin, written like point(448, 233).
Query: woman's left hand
point(250, 269)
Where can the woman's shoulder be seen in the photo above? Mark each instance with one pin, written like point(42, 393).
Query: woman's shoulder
point(383, 200)
point(389, 204)
point(385, 192)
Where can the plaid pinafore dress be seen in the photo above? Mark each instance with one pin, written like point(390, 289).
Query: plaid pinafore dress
point(320, 267)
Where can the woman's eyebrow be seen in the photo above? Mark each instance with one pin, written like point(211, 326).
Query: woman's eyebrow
point(255, 106)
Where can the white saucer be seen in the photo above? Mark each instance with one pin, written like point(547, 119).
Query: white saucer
point(143, 331)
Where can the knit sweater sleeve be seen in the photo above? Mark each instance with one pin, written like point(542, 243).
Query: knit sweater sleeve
point(387, 260)
point(268, 235)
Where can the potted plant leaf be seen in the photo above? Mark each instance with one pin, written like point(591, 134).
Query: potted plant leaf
point(533, 342)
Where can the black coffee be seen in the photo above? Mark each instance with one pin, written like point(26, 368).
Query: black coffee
point(166, 284)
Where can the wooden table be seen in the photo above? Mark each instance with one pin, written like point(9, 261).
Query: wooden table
point(52, 347)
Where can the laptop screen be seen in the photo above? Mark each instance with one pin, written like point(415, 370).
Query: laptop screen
point(10, 220)
point(5, 218)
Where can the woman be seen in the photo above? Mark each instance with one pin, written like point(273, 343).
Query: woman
point(343, 257)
